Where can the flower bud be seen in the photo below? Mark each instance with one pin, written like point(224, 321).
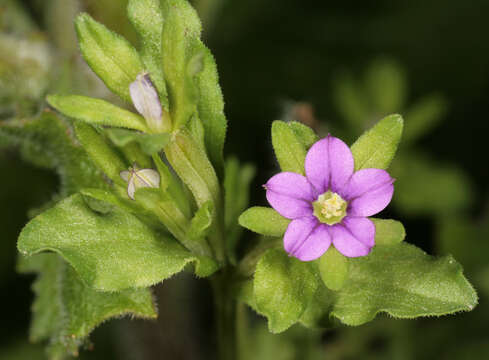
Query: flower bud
point(145, 98)
point(139, 178)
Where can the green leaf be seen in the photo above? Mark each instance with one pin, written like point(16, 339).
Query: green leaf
point(317, 312)
point(264, 220)
point(289, 149)
point(376, 147)
point(385, 82)
point(423, 116)
point(92, 242)
point(150, 143)
point(333, 268)
point(304, 133)
point(404, 282)
point(105, 157)
point(283, 286)
point(109, 55)
point(182, 59)
point(96, 111)
point(388, 232)
point(147, 19)
point(66, 310)
point(211, 110)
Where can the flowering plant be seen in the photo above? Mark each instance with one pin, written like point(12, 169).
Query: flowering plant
point(147, 194)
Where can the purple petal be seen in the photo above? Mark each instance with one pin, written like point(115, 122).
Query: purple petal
point(368, 192)
point(329, 164)
point(362, 228)
point(346, 242)
point(306, 239)
point(290, 194)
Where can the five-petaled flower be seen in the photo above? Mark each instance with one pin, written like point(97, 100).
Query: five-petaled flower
point(331, 203)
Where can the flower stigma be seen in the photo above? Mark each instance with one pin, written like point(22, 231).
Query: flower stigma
point(330, 208)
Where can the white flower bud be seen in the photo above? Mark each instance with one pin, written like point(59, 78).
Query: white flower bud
point(139, 178)
point(145, 98)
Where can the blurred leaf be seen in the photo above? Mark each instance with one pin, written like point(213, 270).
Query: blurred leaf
point(84, 245)
point(425, 186)
point(317, 312)
point(96, 111)
point(423, 116)
point(47, 141)
point(388, 232)
point(376, 147)
point(405, 282)
point(350, 101)
point(109, 55)
point(66, 311)
point(289, 148)
point(264, 220)
point(201, 222)
point(333, 268)
point(385, 83)
point(146, 17)
point(150, 143)
point(283, 287)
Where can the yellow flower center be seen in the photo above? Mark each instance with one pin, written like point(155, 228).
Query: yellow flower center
point(330, 208)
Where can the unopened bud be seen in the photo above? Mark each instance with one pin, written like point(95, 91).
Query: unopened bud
point(145, 98)
point(139, 178)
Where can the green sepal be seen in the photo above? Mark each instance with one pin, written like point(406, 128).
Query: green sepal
point(201, 222)
point(289, 149)
point(283, 287)
point(101, 153)
point(147, 19)
point(264, 220)
point(333, 268)
point(376, 147)
point(182, 60)
point(388, 232)
point(66, 310)
point(211, 109)
point(149, 143)
point(96, 111)
point(93, 241)
point(109, 55)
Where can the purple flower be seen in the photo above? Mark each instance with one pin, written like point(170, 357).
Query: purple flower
point(331, 203)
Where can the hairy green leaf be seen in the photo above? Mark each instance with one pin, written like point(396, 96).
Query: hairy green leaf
point(109, 55)
point(333, 268)
point(146, 17)
point(201, 222)
point(66, 310)
point(388, 232)
point(92, 242)
point(283, 286)
point(150, 143)
point(376, 147)
point(96, 111)
point(405, 282)
point(304, 133)
point(289, 149)
point(264, 220)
